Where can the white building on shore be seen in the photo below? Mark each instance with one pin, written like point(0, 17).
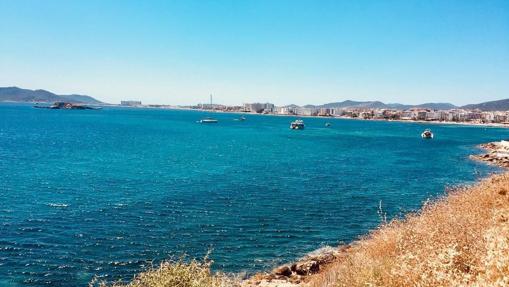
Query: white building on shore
point(130, 103)
point(259, 108)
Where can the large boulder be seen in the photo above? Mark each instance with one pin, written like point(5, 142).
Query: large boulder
point(283, 271)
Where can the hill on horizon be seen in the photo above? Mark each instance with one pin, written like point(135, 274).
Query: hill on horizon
point(15, 94)
point(381, 105)
point(500, 105)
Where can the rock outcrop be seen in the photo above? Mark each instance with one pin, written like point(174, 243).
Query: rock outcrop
point(296, 274)
point(497, 153)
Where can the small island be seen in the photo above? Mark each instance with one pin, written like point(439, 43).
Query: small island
point(66, 106)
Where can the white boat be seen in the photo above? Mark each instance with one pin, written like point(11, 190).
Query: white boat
point(297, 125)
point(208, 121)
point(328, 124)
point(427, 134)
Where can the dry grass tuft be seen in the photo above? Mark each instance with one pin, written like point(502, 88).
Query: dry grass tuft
point(177, 274)
point(459, 240)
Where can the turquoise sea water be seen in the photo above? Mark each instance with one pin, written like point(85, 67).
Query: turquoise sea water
point(107, 192)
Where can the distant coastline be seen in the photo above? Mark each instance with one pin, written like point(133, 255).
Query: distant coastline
point(473, 124)
point(495, 125)
point(488, 114)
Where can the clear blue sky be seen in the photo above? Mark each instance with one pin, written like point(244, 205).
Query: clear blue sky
point(178, 52)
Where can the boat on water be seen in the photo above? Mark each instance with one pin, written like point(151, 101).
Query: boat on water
point(297, 125)
point(208, 121)
point(241, 119)
point(328, 125)
point(427, 134)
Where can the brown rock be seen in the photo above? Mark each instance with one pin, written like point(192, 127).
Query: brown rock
point(293, 267)
point(283, 270)
point(307, 267)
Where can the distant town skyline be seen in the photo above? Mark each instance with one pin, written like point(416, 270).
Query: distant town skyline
point(283, 52)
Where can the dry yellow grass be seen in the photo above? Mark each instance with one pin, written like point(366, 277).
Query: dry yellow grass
point(459, 240)
point(177, 274)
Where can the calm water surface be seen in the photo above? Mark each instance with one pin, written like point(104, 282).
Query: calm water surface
point(107, 192)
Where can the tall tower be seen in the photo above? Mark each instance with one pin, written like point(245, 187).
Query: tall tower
point(210, 100)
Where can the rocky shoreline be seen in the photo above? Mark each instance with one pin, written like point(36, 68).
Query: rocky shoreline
point(301, 272)
point(298, 273)
point(497, 153)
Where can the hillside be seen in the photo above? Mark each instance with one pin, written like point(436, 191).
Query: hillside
point(355, 104)
point(15, 94)
point(461, 240)
point(436, 106)
point(501, 105)
point(380, 105)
